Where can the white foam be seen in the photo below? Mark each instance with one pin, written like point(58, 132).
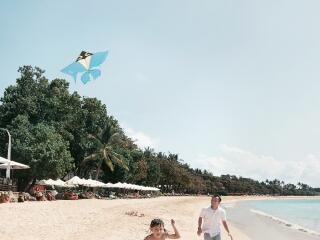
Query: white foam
point(286, 223)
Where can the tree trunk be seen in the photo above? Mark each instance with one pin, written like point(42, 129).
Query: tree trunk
point(29, 185)
point(98, 171)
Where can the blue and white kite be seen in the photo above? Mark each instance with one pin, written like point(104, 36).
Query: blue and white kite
point(87, 64)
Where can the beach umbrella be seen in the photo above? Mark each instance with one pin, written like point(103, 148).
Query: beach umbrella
point(127, 186)
point(4, 160)
point(13, 165)
point(137, 187)
point(93, 183)
point(109, 185)
point(74, 181)
point(119, 185)
point(49, 182)
point(100, 184)
point(60, 183)
point(41, 182)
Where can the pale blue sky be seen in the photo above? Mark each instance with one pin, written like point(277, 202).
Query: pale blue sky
point(220, 83)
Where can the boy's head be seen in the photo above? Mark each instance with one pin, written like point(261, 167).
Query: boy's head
point(215, 201)
point(157, 227)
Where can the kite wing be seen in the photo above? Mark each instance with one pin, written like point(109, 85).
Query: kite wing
point(97, 59)
point(88, 75)
point(85, 77)
point(73, 69)
point(95, 73)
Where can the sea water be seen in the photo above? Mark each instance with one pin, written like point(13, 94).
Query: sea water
point(302, 214)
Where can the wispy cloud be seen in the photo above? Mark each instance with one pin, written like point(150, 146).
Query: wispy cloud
point(143, 140)
point(236, 161)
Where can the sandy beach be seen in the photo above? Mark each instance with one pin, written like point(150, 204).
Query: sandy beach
point(103, 219)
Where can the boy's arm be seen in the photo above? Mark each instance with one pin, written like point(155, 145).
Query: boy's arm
point(176, 234)
point(199, 226)
point(225, 225)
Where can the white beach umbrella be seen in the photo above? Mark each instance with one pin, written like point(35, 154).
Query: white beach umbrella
point(133, 187)
point(119, 185)
point(130, 186)
point(50, 182)
point(92, 183)
point(137, 187)
point(41, 182)
point(126, 186)
point(60, 183)
point(13, 165)
point(4, 160)
point(109, 185)
point(74, 181)
point(100, 184)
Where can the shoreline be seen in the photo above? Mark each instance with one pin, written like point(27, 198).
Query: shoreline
point(111, 219)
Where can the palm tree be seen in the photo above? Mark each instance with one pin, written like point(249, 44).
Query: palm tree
point(104, 152)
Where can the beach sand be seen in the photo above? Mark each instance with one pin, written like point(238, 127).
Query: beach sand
point(104, 219)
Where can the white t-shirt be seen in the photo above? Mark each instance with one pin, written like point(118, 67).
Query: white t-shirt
point(211, 220)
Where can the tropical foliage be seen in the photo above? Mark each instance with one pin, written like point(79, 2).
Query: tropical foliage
point(59, 133)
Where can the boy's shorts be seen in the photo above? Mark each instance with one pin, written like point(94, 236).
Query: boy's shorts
point(208, 237)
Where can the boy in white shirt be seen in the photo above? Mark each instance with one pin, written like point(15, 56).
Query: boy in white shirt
point(210, 220)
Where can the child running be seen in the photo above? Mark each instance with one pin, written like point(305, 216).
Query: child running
point(158, 232)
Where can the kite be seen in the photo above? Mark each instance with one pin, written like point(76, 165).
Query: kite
point(87, 63)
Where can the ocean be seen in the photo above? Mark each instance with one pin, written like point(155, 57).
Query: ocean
point(300, 214)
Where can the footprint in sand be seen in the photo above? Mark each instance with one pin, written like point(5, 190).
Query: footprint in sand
point(134, 214)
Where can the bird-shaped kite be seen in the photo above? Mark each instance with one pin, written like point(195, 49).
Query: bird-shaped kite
point(87, 64)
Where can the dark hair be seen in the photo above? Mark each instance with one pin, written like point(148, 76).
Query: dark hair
point(156, 222)
point(216, 196)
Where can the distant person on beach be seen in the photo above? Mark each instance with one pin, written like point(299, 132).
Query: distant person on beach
point(158, 232)
point(210, 220)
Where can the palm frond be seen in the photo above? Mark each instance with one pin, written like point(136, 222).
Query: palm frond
point(119, 161)
point(91, 157)
point(105, 153)
point(106, 134)
point(109, 163)
point(115, 137)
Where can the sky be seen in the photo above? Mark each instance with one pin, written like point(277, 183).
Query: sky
point(231, 86)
